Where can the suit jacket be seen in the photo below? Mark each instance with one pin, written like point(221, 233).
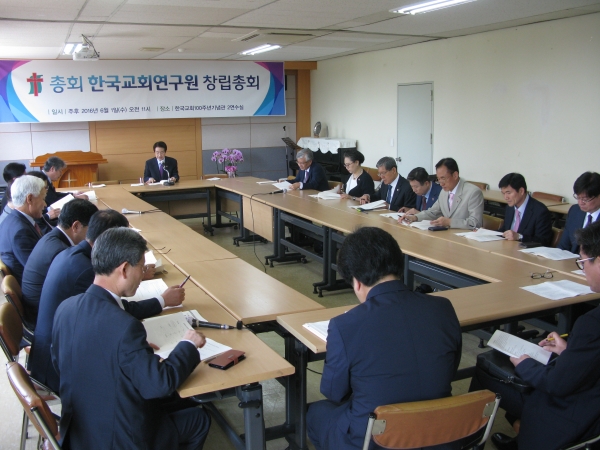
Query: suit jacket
point(111, 382)
point(434, 193)
point(566, 392)
point(17, 240)
point(398, 346)
point(364, 185)
point(402, 196)
point(5, 212)
point(51, 195)
point(317, 179)
point(467, 207)
point(536, 223)
point(70, 274)
point(151, 170)
point(574, 222)
point(36, 270)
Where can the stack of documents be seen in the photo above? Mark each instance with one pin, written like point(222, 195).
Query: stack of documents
point(266, 182)
point(283, 185)
point(369, 206)
point(516, 347)
point(151, 259)
point(482, 235)
point(166, 331)
point(555, 290)
point(319, 329)
point(327, 195)
point(555, 254)
point(422, 225)
point(394, 216)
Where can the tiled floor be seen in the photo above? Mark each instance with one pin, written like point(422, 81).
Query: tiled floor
point(298, 276)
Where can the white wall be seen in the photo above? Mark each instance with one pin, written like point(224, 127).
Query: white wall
point(523, 99)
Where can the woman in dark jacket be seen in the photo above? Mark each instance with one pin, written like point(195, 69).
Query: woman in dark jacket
point(359, 182)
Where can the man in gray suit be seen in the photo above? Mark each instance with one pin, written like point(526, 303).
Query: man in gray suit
point(460, 204)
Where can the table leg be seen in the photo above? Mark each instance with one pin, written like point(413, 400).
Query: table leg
point(251, 401)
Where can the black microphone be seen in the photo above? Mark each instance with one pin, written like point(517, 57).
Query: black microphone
point(278, 192)
point(198, 323)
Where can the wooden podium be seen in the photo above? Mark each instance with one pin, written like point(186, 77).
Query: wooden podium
point(82, 167)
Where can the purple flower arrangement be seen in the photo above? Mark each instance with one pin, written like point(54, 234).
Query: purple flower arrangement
point(229, 159)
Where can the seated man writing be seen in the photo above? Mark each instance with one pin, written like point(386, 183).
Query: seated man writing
point(311, 174)
point(396, 346)
point(395, 190)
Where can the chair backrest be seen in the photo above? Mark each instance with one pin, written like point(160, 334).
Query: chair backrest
point(432, 422)
point(556, 235)
point(492, 223)
point(546, 196)
point(206, 176)
point(11, 331)
point(12, 292)
point(481, 185)
point(373, 172)
point(334, 184)
point(4, 270)
point(36, 408)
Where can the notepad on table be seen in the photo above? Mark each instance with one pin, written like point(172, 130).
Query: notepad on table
point(266, 182)
point(482, 235)
point(516, 347)
point(555, 254)
point(62, 202)
point(370, 206)
point(96, 186)
point(556, 290)
point(167, 331)
point(394, 216)
point(327, 195)
point(283, 185)
point(422, 225)
point(137, 184)
point(213, 179)
point(91, 195)
point(319, 329)
point(149, 258)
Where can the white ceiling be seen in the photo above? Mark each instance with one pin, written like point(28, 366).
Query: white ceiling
point(309, 30)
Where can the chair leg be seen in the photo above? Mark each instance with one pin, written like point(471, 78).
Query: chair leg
point(24, 431)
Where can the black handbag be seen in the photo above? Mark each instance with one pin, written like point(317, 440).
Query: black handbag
point(497, 366)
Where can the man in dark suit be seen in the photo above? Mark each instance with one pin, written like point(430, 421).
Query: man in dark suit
point(587, 210)
point(396, 346)
point(427, 191)
point(311, 174)
point(11, 171)
point(71, 273)
point(71, 230)
point(19, 233)
point(564, 405)
point(113, 388)
point(162, 167)
point(525, 218)
point(54, 168)
point(395, 189)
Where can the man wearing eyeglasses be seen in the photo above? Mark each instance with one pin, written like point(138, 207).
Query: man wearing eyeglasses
point(460, 204)
point(311, 174)
point(161, 167)
point(395, 189)
point(587, 193)
point(564, 405)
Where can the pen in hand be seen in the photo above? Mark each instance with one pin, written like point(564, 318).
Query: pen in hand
point(549, 339)
point(184, 281)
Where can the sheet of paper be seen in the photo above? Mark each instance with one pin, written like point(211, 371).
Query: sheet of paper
point(283, 185)
point(556, 290)
point(319, 329)
point(515, 346)
point(266, 182)
point(394, 216)
point(149, 289)
point(422, 225)
point(213, 179)
point(194, 314)
point(149, 257)
point(62, 202)
point(555, 254)
point(212, 348)
point(158, 183)
point(370, 206)
point(96, 186)
point(137, 184)
point(482, 235)
point(91, 195)
point(327, 195)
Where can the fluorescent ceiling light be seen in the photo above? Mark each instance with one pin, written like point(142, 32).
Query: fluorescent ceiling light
point(260, 49)
point(429, 6)
point(71, 47)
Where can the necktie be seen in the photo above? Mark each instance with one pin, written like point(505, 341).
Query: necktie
point(517, 223)
point(450, 200)
point(37, 228)
point(389, 196)
point(589, 222)
point(160, 168)
point(305, 175)
point(424, 204)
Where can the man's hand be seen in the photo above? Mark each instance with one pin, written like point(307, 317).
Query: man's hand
point(196, 337)
point(441, 222)
point(174, 296)
point(556, 344)
point(408, 211)
point(365, 199)
point(519, 360)
point(172, 179)
point(150, 180)
point(150, 272)
point(154, 346)
point(81, 196)
point(511, 235)
point(408, 218)
point(295, 186)
point(53, 213)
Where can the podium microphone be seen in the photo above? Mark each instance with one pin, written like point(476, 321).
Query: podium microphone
point(127, 211)
point(169, 182)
